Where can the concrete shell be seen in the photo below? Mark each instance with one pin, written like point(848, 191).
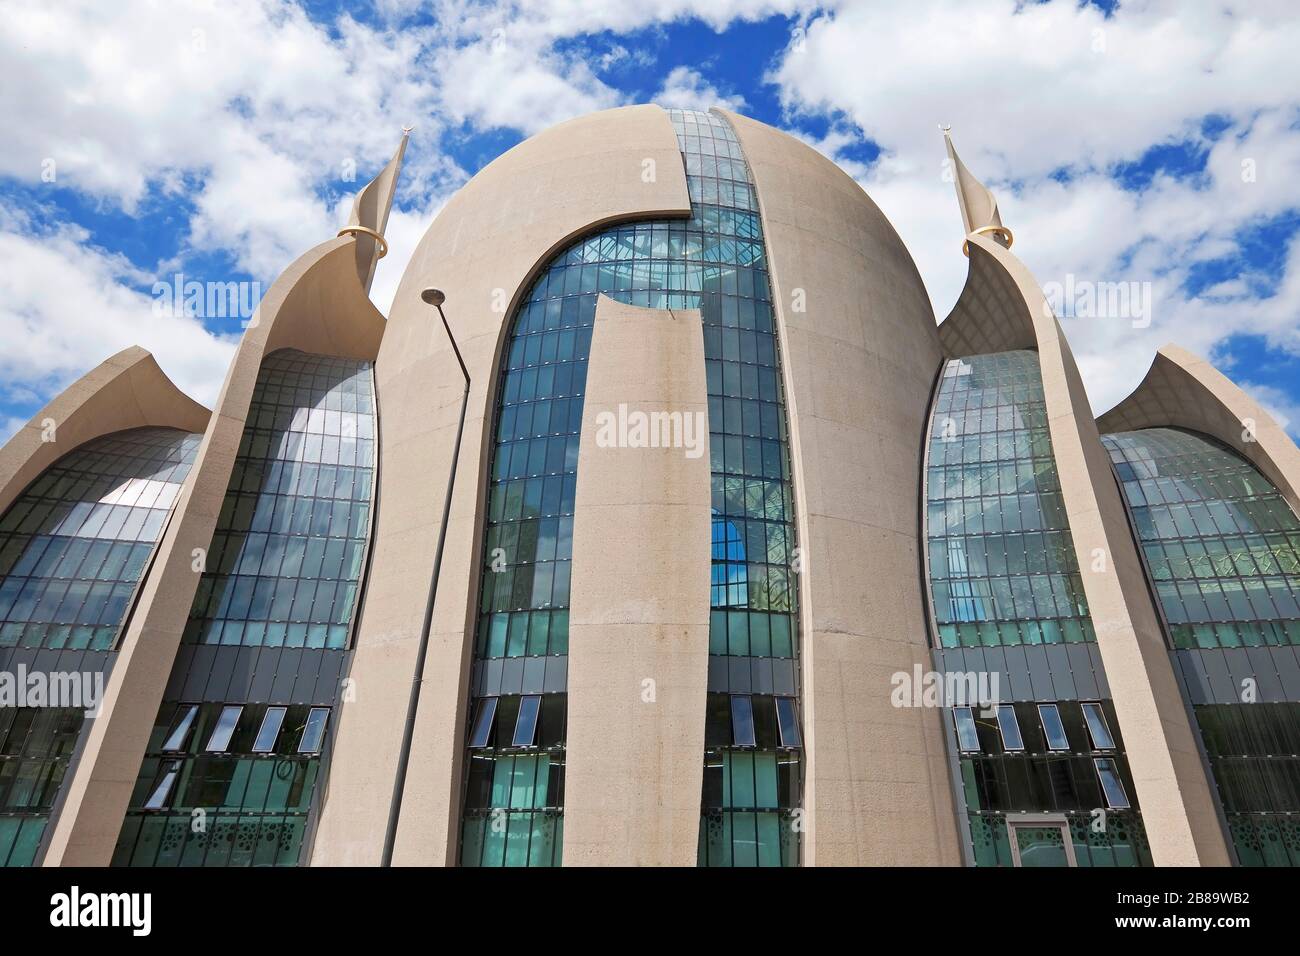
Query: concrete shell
point(860, 356)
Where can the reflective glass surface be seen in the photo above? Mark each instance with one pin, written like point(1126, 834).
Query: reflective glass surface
point(715, 262)
point(74, 544)
point(1256, 766)
point(237, 806)
point(1221, 545)
point(231, 785)
point(1002, 564)
point(285, 563)
point(1003, 572)
point(1221, 548)
point(35, 746)
point(73, 548)
point(1057, 770)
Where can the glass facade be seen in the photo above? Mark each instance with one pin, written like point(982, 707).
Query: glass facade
point(73, 549)
point(1221, 545)
point(223, 785)
point(1083, 777)
point(73, 546)
point(1255, 761)
point(36, 744)
point(1002, 563)
point(1003, 572)
point(233, 782)
point(715, 262)
point(285, 561)
point(1221, 548)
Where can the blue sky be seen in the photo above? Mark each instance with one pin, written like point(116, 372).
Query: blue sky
point(1135, 142)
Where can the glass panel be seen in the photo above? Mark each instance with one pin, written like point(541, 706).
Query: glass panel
point(715, 262)
point(314, 733)
point(787, 719)
point(158, 799)
point(742, 720)
point(482, 731)
point(1053, 729)
point(181, 730)
point(1111, 785)
point(35, 747)
point(269, 731)
point(1098, 729)
point(526, 724)
point(1222, 550)
point(1009, 728)
point(1041, 846)
point(282, 570)
point(287, 553)
point(1001, 558)
point(967, 737)
point(1218, 539)
point(225, 729)
point(73, 545)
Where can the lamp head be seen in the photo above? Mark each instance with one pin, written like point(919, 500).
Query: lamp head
point(434, 297)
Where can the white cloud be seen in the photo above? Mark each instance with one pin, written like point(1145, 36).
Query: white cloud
point(549, 20)
point(249, 99)
point(66, 305)
point(1284, 409)
point(685, 88)
point(1032, 89)
point(501, 82)
point(244, 113)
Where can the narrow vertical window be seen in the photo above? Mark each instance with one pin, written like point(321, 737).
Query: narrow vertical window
point(1009, 728)
point(158, 799)
point(742, 721)
point(1053, 729)
point(482, 731)
point(526, 722)
point(787, 722)
point(313, 734)
point(968, 739)
point(269, 731)
point(224, 730)
point(1098, 729)
point(1111, 785)
point(180, 730)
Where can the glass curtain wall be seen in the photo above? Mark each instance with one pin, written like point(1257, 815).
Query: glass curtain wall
point(1222, 551)
point(715, 262)
point(73, 549)
point(232, 783)
point(1221, 544)
point(1002, 563)
point(1003, 573)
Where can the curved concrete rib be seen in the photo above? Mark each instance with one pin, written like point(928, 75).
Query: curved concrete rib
point(316, 305)
point(127, 390)
point(859, 355)
point(1173, 792)
point(1183, 390)
point(528, 203)
point(640, 598)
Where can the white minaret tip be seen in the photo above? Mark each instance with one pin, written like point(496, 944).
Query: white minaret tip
point(979, 207)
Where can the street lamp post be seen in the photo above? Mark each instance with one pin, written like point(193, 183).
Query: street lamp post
point(435, 298)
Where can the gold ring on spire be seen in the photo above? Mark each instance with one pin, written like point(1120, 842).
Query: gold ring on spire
point(1001, 232)
point(365, 230)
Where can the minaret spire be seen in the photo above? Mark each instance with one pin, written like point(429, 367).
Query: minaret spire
point(369, 216)
point(979, 208)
